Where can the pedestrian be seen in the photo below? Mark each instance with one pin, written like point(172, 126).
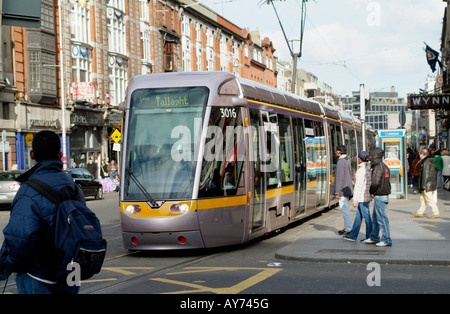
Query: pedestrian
point(439, 164)
point(104, 170)
point(92, 167)
point(380, 188)
point(112, 169)
point(415, 172)
point(27, 234)
point(343, 187)
point(361, 197)
point(446, 167)
point(427, 185)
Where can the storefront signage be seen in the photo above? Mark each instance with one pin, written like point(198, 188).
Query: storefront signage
point(83, 90)
point(391, 133)
point(44, 123)
point(87, 118)
point(429, 101)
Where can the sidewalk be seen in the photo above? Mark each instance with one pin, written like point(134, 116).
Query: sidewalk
point(414, 240)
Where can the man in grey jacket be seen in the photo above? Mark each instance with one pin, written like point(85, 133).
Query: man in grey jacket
point(343, 187)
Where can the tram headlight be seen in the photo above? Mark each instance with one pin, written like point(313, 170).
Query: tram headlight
point(179, 208)
point(133, 209)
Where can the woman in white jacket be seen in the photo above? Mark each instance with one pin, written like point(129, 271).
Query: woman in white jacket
point(361, 197)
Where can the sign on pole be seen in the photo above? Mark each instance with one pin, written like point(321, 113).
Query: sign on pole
point(116, 136)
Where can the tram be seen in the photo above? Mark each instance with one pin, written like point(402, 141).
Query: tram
point(210, 159)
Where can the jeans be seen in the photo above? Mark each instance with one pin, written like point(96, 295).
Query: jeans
point(380, 220)
point(345, 208)
point(361, 213)
point(28, 285)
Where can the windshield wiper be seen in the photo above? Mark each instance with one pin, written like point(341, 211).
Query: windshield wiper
point(150, 199)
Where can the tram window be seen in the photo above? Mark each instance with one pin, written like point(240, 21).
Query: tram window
point(321, 163)
point(286, 155)
point(224, 154)
point(336, 140)
point(300, 164)
point(161, 138)
point(352, 154)
point(311, 151)
point(360, 141)
point(258, 176)
point(271, 160)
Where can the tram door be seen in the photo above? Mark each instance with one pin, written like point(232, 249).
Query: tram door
point(256, 175)
point(335, 134)
point(300, 167)
point(311, 165)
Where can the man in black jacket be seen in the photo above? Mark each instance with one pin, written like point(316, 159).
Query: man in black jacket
point(380, 190)
point(427, 184)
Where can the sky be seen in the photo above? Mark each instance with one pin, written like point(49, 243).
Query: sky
point(349, 42)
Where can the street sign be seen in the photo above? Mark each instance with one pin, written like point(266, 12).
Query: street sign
point(116, 136)
point(4, 147)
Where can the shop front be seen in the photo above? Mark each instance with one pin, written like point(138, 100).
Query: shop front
point(86, 136)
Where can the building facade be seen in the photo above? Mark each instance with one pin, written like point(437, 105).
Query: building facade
point(84, 53)
point(383, 111)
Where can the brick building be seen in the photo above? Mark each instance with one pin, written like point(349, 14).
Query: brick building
point(104, 44)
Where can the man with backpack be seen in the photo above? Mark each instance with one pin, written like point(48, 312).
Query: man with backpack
point(28, 248)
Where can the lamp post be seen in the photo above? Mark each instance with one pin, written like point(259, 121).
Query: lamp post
point(63, 98)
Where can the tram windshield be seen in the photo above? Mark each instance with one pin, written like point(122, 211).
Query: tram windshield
point(163, 130)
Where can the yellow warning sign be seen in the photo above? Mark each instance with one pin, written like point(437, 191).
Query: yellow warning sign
point(116, 136)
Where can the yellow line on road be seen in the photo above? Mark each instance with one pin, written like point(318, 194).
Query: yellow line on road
point(125, 270)
point(253, 280)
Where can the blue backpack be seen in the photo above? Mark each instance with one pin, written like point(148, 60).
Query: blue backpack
point(75, 235)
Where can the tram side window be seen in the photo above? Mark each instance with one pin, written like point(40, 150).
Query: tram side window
point(336, 140)
point(311, 151)
point(352, 151)
point(299, 150)
point(224, 153)
point(271, 160)
point(360, 141)
point(286, 154)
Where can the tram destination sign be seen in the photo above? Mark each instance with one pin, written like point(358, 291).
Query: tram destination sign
point(429, 101)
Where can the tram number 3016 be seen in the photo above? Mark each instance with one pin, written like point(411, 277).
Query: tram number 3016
point(228, 112)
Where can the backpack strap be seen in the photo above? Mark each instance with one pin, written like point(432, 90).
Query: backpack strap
point(45, 190)
point(51, 194)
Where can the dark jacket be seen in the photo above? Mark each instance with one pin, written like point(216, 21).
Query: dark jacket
point(381, 174)
point(343, 185)
point(31, 216)
point(427, 175)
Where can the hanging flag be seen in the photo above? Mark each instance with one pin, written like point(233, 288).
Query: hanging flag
point(432, 57)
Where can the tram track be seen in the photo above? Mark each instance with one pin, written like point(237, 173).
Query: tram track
point(124, 281)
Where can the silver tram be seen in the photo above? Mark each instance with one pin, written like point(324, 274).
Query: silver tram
point(210, 159)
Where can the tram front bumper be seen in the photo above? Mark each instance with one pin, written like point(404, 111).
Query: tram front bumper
point(162, 240)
